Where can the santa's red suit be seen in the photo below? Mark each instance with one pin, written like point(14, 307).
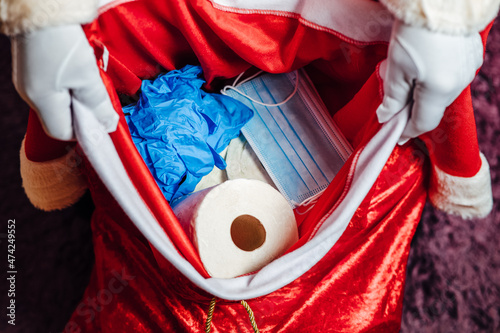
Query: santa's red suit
point(354, 282)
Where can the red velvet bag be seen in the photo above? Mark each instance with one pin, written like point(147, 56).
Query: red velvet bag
point(347, 271)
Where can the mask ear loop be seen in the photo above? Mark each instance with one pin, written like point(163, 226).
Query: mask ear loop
point(309, 201)
point(236, 84)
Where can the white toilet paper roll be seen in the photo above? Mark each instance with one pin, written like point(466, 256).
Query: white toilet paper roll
point(238, 226)
point(242, 162)
point(215, 177)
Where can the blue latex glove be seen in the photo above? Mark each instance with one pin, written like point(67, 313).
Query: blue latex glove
point(180, 129)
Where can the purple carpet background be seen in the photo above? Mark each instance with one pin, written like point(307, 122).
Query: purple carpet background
point(453, 280)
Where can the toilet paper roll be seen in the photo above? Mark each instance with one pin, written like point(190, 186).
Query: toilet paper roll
point(215, 177)
point(238, 226)
point(242, 162)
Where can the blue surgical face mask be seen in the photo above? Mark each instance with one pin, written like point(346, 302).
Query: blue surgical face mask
point(297, 141)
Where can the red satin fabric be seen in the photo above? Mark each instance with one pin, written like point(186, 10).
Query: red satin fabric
point(356, 287)
point(146, 37)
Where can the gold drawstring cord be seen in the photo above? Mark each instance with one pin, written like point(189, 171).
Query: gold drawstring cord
point(250, 315)
point(210, 314)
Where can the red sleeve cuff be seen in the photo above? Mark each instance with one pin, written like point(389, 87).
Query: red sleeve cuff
point(39, 146)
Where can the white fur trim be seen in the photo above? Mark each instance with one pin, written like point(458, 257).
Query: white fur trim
point(21, 16)
point(54, 184)
point(447, 16)
point(467, 197)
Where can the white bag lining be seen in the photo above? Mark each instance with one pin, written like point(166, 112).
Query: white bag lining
point(101, 153)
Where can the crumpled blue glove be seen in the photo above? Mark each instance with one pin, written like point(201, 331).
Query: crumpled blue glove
point(180, 129)
point(429, 69)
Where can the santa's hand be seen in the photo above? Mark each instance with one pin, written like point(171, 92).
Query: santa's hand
point(429, 70)
point(51, 68)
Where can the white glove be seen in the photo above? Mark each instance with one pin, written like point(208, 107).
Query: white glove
point(428, 69)
point(51, 68)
